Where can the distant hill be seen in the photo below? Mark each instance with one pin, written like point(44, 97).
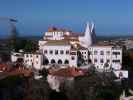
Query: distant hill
point(99, 38)
point(31, 37)
point(113, 37)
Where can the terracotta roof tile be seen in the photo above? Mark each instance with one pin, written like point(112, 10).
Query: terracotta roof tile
point(55, 29)
point(67, 72)
point(57, 42)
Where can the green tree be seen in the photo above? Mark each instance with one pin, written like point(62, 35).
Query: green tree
point(37, 90)
point(80, 60)
point(31, 46)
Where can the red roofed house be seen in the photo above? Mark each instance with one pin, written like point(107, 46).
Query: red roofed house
point(62, 75)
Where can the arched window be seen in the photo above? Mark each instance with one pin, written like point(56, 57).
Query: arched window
point(59, 61)
point(52, 61)
point(66, 61)
point(61, 52)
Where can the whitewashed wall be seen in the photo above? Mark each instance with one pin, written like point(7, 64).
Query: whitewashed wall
point(58, 56)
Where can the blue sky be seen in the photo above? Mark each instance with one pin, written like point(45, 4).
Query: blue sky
point(111, 17)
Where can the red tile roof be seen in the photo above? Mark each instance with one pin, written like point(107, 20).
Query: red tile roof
point(55, 29)
point(57, 42)
point(67, 72)
point(78, 47)
point(4, 67)
point(20, 71)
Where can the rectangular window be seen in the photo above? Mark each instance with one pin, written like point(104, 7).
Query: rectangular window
point(73, 58)
point(101, 61)
point(108, 52)
point(116, 53)
point(56, 52)
point(108, 60)
point(116, 61)
point(67, 52)
point(27, 55)
point(95, 60)
point(61, 52)
point(51, 52)
point(101, 53)
point(45, 51)
point(95, 52)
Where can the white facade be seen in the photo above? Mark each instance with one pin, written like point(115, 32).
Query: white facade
point(31, 60)
point(56, 81)
point(60, 54)
point(99, 55)
point(116, 58)
point(15, 56)
point(106, 57)
point(103, 57)
point(34, 60)
point(55, 35)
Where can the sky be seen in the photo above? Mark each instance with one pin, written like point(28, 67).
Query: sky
point(111, 17)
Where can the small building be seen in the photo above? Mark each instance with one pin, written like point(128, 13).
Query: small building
point(16, 55)
point(60, 76)
point(33, 60)
point(106, 57)
point(30, 60)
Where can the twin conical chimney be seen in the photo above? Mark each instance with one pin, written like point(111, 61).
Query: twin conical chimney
point(90, 36)
point(87, 35)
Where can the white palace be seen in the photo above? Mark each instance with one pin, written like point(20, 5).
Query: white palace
point(65, 48)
